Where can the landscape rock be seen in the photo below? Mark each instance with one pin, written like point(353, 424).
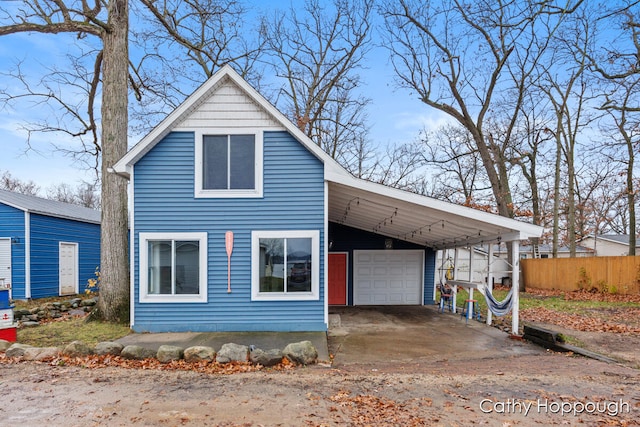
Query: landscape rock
point(108, 347)
point(303, 353)
point(17, 350)
point(232, 353)
point(265, 358)
point(77, 349)
point(5, 345)
point(90, 302)
point(30, 323)
point(137, 352)
point(168, 353)
point(39, 354)
point(199, 353)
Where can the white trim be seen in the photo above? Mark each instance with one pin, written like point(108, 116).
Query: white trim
point(325, 248)
point(76, 267)
point(132, 248)
point(27, 255)
point(144, 238)
point(256, 295)
point(199, 192)
point(8, 281)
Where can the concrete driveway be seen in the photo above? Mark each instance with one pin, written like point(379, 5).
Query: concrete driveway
point(414, 334)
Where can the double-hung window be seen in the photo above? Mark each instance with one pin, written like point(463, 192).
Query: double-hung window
point(173, 267)
point(228, 164)
point(285, 265)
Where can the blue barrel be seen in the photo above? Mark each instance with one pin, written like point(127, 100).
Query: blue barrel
point(4, 299)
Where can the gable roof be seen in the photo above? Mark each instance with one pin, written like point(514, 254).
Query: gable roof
point(53, 208)
point(353, 201)
point(124, 165)
point(622, 239)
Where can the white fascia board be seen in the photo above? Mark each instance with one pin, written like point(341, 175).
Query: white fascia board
point(524, 230)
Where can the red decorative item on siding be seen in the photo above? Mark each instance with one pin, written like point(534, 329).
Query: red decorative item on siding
point(228, 241)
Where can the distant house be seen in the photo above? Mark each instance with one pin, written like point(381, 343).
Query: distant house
point(609, 244)
point(546, 251)
point(240, 222)
point(47, 248)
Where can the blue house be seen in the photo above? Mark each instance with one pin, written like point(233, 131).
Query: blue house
point(239, 222)
point(47, 248)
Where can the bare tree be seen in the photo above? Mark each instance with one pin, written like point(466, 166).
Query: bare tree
point(8, 182)
point(474, 61)
point(617, 65)
point(107, 22)
point(453, 160)
point(181, 43)
point(84, 194)
point(317, 50)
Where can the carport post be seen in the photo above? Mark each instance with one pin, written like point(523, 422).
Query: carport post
point(490, 280)
point(515, 283)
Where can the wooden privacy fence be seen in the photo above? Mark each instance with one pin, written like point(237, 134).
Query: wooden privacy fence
point(614, 274)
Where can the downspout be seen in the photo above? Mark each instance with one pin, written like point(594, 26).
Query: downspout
point(27, 255)
point(515, 284)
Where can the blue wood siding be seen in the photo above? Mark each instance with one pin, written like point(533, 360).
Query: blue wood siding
point(46, 234)
point(12, 225)
point(293, 199)
point(348, 239)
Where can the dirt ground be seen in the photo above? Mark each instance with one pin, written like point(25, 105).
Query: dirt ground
point(520, 390)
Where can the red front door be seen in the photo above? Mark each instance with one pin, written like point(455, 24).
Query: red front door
point(337, 279)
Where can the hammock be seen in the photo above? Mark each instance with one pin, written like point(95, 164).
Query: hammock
point(499, 308)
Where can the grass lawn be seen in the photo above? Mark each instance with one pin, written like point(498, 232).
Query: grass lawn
point(61, 333)
point(580, 310)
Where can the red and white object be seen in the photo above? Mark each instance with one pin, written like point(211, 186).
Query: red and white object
point(6, 318)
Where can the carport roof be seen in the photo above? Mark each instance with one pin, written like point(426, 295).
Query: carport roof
point(418, 219)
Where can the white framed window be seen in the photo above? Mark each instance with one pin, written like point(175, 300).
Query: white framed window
point(173, 267)
point(228, 163)
point(285, 265)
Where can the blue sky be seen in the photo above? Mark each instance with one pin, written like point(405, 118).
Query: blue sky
point(395, 116)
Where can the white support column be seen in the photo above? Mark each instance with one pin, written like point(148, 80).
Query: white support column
point(454, 294)
point(471, 262)
point(515, 282)
point(456, 259)
point(489, 287)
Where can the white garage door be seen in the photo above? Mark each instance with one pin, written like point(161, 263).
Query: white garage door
point(388, 277)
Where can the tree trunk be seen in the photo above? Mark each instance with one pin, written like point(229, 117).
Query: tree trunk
point(114, 281)
point(631, 200)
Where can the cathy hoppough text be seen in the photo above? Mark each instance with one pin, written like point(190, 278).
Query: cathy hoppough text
point(526, 407)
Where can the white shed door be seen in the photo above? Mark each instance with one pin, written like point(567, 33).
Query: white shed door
point(5, 262)
point(388, 277)
point(68, 268)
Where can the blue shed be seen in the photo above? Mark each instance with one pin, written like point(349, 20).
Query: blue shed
point(239, 222)
point(47, 248)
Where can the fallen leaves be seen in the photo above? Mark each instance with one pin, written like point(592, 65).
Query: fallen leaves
point(577, 322)
point(368, 410)
point(97, 362)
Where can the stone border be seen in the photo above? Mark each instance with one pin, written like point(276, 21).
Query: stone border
point(301, 353)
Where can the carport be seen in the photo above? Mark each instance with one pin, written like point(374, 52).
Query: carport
point(382, 222)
